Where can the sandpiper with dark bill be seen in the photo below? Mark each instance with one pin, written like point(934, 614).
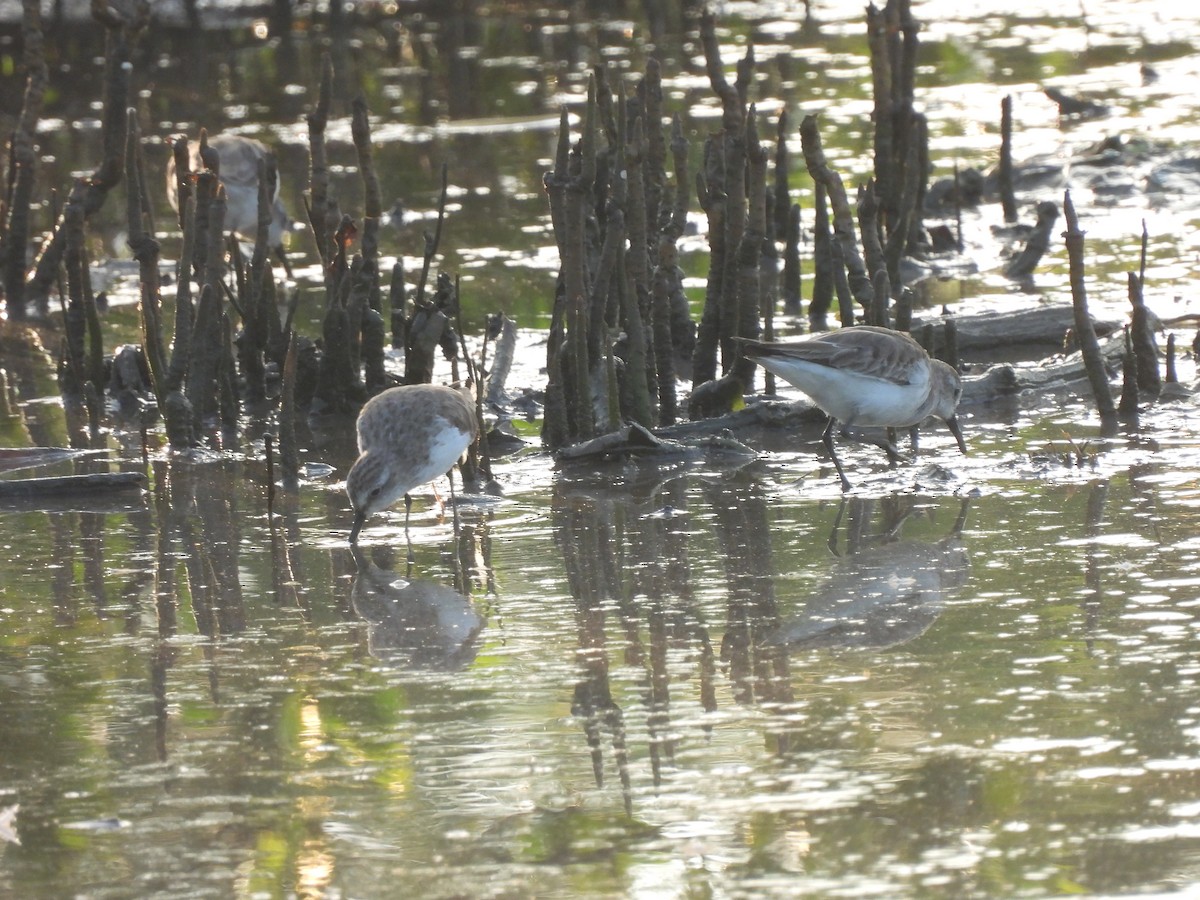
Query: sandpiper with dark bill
point(239, 158)
point(407, 436)
point(865, 376)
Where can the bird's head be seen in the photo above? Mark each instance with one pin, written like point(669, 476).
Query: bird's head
point(948, 384)
point(371, 486)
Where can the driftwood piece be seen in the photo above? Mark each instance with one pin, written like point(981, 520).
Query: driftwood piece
point(69, 485)
point(1066, 373)
point(1039, 327)
point(632, 440)
point(761, 412)
point(638, 442)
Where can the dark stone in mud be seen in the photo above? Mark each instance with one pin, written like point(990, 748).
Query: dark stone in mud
point(940, 198)
point(1076, 107)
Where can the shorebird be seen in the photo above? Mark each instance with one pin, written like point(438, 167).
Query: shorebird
point(407, 436)
point(239, 159)
point(865, 376)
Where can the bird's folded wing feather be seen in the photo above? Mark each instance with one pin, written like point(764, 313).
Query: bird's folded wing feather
point(854, 351)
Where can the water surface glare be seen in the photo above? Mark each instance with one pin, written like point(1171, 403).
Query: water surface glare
point(759, 690)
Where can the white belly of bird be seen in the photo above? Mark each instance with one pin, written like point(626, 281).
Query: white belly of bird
point(444, 451)
point(853, 398)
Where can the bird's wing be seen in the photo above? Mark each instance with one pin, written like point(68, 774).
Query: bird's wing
point(874, 352)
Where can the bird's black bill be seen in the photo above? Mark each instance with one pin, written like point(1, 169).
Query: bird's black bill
point(952, 424)
point(359, 518)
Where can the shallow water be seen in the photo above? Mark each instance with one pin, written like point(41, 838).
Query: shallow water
point(976, 676)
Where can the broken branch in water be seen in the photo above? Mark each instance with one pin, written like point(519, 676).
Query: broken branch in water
point(1084, 332)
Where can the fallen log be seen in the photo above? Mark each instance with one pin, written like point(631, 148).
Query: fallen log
point(635, 441)
point(69, 485)
point(1040, 327)
point(12, 458)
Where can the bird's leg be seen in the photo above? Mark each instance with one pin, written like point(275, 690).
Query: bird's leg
point(883, 443)
point(407, 533)
point(282, 256)
point(453, 505)
point(827, 439)
point(913, 431)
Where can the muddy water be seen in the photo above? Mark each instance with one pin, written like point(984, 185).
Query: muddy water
point(973, 677)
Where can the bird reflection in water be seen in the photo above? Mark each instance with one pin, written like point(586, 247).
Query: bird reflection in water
point(414, 622)
point(884, 591)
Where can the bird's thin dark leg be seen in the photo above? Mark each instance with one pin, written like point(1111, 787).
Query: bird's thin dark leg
point(827, 438)
point(407, 534)
point(913, 432)
point(281, 254)
point(883, 444)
